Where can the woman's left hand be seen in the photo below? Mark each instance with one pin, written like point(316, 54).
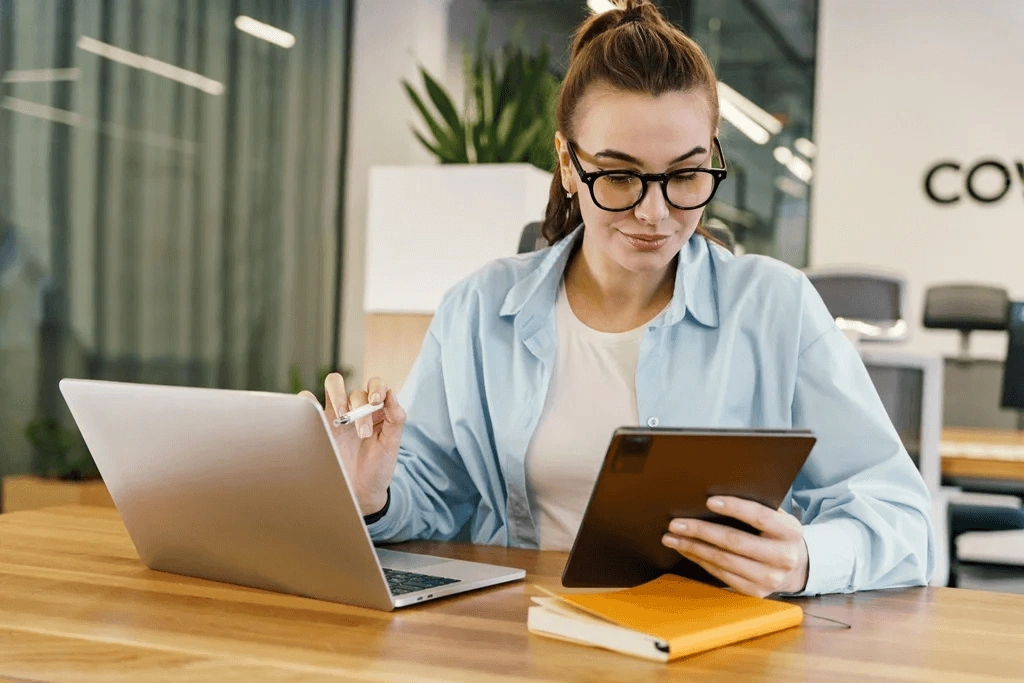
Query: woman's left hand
point(774, 562)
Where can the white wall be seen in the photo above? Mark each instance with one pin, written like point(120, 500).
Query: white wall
point(901, 86)
point(391, 38)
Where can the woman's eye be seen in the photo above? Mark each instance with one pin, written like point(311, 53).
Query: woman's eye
point(619, 179)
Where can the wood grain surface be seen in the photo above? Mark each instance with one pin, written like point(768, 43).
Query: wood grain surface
point(76, 605)
point(392, 344)
point(27, 492)
point(983, 468)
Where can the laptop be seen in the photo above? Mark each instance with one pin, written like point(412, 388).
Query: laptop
point(247, 488)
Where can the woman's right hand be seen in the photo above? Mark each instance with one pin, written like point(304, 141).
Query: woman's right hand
point(369, 446)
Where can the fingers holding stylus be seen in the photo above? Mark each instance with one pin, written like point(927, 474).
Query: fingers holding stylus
point(392, 417)
point(364, 425)
point(376, 391)
point(335, 396)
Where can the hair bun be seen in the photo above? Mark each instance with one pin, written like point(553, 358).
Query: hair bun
point(626, 12)
point(638, 11)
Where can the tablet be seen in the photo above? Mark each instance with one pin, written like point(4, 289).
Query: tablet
point(651, 476)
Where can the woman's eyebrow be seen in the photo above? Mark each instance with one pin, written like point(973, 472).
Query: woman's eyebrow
point(629, 159)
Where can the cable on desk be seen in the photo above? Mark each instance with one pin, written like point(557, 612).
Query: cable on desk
point(843, 624)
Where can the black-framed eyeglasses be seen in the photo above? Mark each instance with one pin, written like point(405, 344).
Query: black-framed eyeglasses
point(621, 190)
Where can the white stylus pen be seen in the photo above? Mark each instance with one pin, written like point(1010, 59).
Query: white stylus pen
point(353, 415)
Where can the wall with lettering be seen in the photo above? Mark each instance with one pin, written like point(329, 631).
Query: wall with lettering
point(920, 127)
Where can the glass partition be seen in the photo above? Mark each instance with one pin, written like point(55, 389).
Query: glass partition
point(169, 174)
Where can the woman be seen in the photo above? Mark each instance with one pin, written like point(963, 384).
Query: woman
point(634, 316)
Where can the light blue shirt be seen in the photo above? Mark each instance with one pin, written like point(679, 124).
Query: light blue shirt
point(745, 342)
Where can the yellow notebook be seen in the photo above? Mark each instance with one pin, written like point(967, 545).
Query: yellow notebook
point(661, 620)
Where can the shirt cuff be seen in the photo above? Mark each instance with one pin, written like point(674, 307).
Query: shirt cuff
point(377, 516)
point(831, 556)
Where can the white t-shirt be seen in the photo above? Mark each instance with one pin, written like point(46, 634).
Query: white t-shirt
point(592, 392)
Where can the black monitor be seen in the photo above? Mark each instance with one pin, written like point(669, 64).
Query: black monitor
point(1013, 369)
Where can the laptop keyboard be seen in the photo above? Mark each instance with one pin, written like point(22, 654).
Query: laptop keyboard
point(401, 583)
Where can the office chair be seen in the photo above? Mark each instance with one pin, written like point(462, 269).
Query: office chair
point(967, 307)
point(867, 304)
point(531, 239)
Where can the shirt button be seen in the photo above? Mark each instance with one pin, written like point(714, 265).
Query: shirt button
point(652, 422)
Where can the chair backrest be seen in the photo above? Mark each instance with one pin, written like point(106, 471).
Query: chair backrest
point(867, 304)
point(531, 239)
point(966, 307)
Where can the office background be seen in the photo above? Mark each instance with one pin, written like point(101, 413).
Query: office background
point(187, 196)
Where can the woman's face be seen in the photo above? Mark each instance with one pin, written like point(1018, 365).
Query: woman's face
point(619, 130)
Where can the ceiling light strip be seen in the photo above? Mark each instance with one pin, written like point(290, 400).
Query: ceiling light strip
point(599, 6)
point(266, 32)
point(42, 75)
point(763, 118)
point(41, 111)
point(743, 123)
point(154, 66)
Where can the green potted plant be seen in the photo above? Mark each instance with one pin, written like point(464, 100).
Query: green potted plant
point(508, 114)
point(60, 453)
point(296, 383)
point(63, 471)
point(495, 157)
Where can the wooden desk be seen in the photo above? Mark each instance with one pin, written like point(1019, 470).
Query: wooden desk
point(77, 605)
point(964, 453)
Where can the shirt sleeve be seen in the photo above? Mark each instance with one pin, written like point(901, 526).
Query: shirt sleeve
point(432, 495)
point(864, 506)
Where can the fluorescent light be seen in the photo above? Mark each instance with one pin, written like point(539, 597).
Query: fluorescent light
point(793, 188)
point(41, 111)
point(800, 168)
point(266, 32)
point(763, 118)
point(797, 166)
point(743, 123)
point(42, 75)
point(806, 147)
point(599, 6)
point(154, 66)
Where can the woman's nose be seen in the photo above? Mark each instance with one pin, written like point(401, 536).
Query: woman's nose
point(653, 208)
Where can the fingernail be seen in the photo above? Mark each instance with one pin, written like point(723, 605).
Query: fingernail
point(668, 540)
point(716, 503)
point(375, 398)
point(363, 431)
point(677, 527)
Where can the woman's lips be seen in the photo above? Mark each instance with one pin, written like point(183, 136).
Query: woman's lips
point(646, 242)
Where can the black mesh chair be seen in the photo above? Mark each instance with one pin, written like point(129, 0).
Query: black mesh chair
point(531, 239)
point(967, 307)
point(867, 304)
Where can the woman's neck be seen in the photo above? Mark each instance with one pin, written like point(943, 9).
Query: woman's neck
point(609, 298)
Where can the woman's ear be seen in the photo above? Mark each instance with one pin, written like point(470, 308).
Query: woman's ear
point(565, 164)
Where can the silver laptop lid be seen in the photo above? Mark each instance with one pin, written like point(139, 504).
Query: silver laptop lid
point(236, 486)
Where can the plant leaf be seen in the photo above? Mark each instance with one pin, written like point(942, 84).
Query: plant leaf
point(524, 141)
point(440, 135)
point(444, 105)
point(434, 149)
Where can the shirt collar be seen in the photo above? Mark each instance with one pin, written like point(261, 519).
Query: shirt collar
point(696, 288)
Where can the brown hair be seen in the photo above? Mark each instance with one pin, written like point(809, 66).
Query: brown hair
point(632, 48)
